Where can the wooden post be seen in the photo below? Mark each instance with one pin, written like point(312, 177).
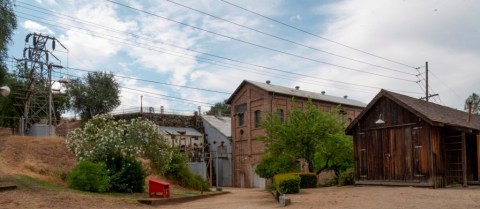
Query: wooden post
point(464, 159)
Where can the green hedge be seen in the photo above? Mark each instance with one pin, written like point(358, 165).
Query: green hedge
point(307, 180)
point(89, 176)
point(287, 183)
point(346, 177)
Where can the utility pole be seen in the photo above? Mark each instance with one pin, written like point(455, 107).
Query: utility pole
point(141, 103)
point(426, 81)
point(426, 85)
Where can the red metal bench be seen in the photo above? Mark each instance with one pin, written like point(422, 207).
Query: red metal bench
point(158, 188)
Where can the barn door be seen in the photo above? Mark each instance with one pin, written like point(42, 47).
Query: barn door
point(362, 144)
point(386, 151)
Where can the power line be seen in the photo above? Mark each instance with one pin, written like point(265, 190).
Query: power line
point(257, 45)
point(77, 20)
point(149, 47)
point(309, 76)
point(151, 81)
point(208, 60)
point(138, 90)
point(312, 34)
point(287, 40)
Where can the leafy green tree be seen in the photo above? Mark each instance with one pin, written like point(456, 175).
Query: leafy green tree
point(475, 100)
point(270, 165)
point(8, 23)
point(308, 134)
point(99, 94)
point(220, 107)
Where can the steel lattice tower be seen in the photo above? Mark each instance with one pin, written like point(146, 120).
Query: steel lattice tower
point(37, 79)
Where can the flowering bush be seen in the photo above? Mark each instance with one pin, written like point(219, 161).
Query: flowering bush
point(103, 137)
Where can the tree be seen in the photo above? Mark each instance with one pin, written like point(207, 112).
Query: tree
point(309, 134)
point(220, 107)
point(8, 23)
point(99, 94)
point(475, 100)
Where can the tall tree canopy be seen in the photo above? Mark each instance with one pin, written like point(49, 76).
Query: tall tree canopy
point(475, 100)
point(98, 94)
point(308, 134)
point(221, 108)
point(8, 23)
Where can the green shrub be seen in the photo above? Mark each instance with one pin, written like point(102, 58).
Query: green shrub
point(307, 180)
point(287, 183)
point(89, 176)
point(126, 174)
point(346, 177)
point(180, 173)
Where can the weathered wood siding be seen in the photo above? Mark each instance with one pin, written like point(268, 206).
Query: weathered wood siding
point(399, 150)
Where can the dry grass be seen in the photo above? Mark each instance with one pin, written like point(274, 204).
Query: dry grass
point(45, 158)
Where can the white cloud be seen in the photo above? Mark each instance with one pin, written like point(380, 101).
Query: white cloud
point(410, 32)
point(295, 18)
point(48, 2)
point(36, 27)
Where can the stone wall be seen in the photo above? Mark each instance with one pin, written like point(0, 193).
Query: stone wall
point(194, 121)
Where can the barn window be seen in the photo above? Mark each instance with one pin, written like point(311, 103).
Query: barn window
point(258, 118)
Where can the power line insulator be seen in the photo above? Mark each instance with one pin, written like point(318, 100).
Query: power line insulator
point(53, 44)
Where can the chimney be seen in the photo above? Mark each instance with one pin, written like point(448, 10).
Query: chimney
point(323, 92)
point(297, 87)
point(345, 97)
point(161, 110)
point(268, 82)
point(469, 117)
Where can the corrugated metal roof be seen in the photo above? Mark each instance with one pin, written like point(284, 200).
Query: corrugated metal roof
point(175, 131)
point(222, 124)
point(306, 94)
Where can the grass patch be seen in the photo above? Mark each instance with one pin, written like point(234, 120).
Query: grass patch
point(28, 181)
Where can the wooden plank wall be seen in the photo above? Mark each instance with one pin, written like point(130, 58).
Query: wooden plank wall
point(397, 151)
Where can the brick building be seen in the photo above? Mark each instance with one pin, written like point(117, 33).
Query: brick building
point(250, 102)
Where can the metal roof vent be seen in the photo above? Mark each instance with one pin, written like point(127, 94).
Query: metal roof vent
point(323, 92)
point(345, 97)
point(268, 81)
point(297, 87)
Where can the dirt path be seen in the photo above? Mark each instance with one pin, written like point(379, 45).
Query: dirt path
point(31, 196)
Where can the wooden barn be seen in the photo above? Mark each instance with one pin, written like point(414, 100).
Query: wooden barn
point(400, 140)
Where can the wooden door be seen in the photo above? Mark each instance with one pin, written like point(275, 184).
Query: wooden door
point(362, 154)
point(387, 155)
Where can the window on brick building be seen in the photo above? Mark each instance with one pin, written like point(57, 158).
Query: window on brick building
point(280, 115)
point(239, 111)
point(241, 119)
point(258, 118)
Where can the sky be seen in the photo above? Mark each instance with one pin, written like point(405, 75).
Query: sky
point(196, 52)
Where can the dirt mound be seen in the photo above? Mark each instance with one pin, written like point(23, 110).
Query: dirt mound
point(66, 126)
point(4, 132)
point(46, 158)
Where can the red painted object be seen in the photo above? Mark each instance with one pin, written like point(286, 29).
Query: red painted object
point(158, 188)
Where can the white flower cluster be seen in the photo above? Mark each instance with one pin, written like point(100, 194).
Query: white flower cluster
point(102, 135)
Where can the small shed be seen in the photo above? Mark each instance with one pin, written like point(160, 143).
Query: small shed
point(218, 134)
point(400, 140)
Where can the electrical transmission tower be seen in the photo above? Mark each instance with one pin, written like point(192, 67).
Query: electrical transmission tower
point(36, 75)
